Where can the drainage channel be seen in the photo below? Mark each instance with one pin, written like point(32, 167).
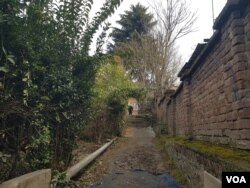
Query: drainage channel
point(74, 170)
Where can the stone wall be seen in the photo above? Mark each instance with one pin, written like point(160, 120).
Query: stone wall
point(160, 109)
point(213, 101)
point(193, 163)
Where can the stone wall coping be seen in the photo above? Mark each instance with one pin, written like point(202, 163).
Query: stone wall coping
point(203, 49)
point(204, 52)
point(230, 6)
point(187, 65)
point(167, 92)
point(180, 87)
point(178, 90)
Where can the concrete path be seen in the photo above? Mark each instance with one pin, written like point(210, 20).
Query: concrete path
point(138, 164)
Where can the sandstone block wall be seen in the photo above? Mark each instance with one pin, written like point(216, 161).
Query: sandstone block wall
point(213, 100)
point(193, 163)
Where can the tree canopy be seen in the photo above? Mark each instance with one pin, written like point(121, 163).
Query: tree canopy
point(136, 21)
point(151, 57)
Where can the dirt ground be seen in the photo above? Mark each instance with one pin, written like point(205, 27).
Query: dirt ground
point(132, 161)
point(83, 149)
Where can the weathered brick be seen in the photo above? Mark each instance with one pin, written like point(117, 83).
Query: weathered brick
point(247, 35)
point(224, 140)
point(238, 134)
point(230, 97)
point(236, 105)
point(223, 110)
point(242, 75)
point(237, 31)
point(237, 23)
point(222, 118)
point(232, 116)
point(247, 17)
point(244, 95)
point(244, 134)
point(242, 124)
point(232, 134)
point(229, 74)
point(227, 48)
point(228, 83)
point(240, 57)
point(248, 56)
point(247, 27)
point(229, 56)
point(240, 85)
point(240, 39)
point(238, 49)
point(226, 125)
point(227, 67)
point(242, 144)
point(244, 113)
point(224, 37)
point(241, 66)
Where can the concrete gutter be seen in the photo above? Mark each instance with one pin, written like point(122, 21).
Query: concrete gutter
point(211, 181)
point(74, 170)
point(42, 178)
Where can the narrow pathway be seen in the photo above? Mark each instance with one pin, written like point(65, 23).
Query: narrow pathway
point(138, 163)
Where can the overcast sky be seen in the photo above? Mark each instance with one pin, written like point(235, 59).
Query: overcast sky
point(204, 22)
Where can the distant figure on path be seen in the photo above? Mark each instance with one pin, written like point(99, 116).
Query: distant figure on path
point(130, 109)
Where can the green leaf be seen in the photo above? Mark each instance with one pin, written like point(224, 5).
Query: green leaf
point(65, 115)
point(58, 118)
point(10, 59)
point(4, 69)
point(46, 98)
point(25, 91)
point(4, 51)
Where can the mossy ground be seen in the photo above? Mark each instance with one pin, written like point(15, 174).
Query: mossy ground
point(175, 172)
point(236, 157)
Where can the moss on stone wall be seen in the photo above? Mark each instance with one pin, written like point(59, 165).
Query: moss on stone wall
point(173, 170)
point(236, 157)
point(188, 159)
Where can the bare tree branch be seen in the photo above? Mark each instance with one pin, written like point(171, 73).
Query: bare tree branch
point(153, 59)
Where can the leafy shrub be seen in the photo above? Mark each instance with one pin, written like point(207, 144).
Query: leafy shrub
point(46, 80)
point(112, 89)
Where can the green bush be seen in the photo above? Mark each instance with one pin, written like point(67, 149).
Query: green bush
point(46, 80)
point(112, 89)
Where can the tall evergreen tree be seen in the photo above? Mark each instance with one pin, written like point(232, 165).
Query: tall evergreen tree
point(136, 21)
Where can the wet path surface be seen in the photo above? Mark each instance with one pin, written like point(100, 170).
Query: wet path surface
point(137, 178)
point(138, 164)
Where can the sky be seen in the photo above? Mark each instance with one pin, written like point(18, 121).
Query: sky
point(203, 24)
